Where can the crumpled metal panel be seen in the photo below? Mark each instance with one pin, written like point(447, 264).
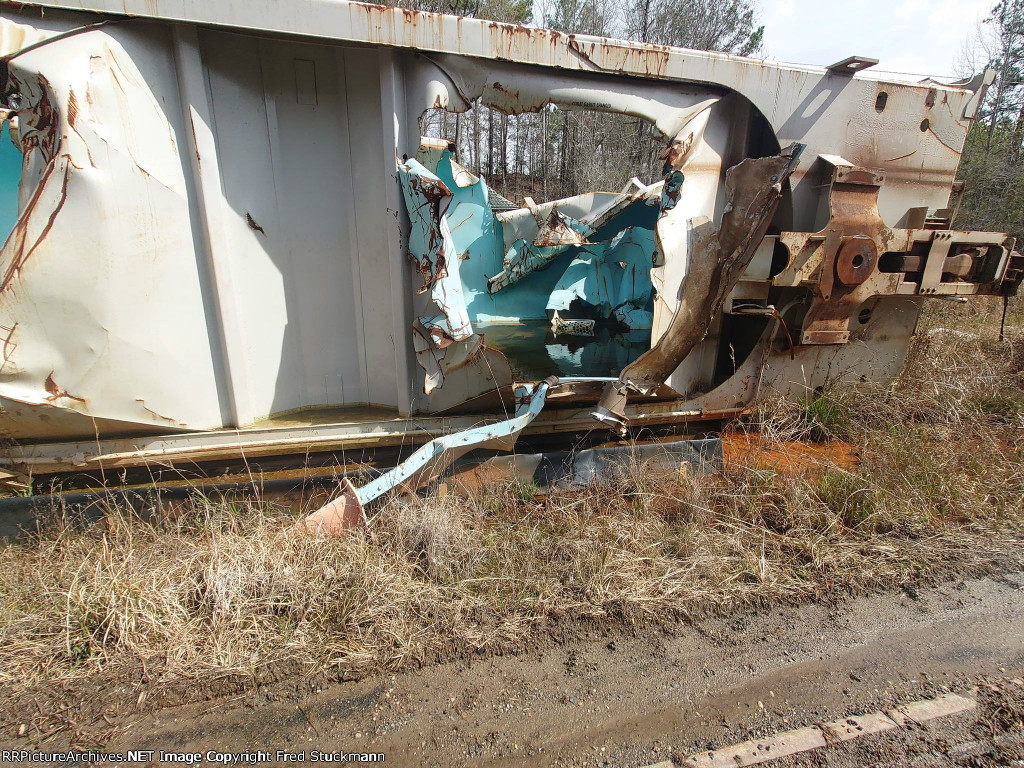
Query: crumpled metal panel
point(610, 279)
point(100, 301)
point(443, 342)
point(584, 213)
point(718, 256)
point(552, 231)
point(433, 252)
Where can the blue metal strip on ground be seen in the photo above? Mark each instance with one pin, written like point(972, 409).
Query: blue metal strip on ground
point(437, 455)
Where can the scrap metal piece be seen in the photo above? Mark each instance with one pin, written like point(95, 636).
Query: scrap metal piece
point(439, 361)
point(718, 257)
point(429, 462)
point(560, 326)
point(560, 230)
point(338, 515)
point(430, 247)
point(552, 231)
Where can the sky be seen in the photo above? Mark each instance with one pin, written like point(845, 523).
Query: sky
point(922, 37)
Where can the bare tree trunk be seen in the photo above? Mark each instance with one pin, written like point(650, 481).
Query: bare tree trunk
point(563, 171)
point(544, 151)
point(476, 140)
point(504, 149)
point(458, 136)
point(490, 141)
point(518, 163)
point(1000, 89)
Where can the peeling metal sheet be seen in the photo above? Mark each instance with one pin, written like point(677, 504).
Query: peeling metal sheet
point(445, 342)
point(431, 248)
point(718, 256)
point(584, 214)
point(552, 231)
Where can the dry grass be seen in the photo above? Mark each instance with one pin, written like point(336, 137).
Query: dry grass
point(233, 588)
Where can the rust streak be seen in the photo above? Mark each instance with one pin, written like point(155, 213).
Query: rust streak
point(9, 346)
point(168, 419)
point(901, 157)
point(19, 260)
point(73, 111)
point(253, 224)
point(56, 392)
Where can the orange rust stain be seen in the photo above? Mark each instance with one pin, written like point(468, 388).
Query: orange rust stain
point(56, 392)
point(72, 110)
point(790, 457)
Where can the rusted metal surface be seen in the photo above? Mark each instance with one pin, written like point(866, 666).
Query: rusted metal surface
point(843, 262)
point(444, 342)
point(853, 241)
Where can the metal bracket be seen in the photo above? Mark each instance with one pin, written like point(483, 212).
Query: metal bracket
point(855, 257)
point(851, 65)
point(853, 243)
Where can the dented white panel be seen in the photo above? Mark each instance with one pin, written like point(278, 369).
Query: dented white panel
point(212, 227)
point(102, 308)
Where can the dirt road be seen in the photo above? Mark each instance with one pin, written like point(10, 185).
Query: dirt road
point(602, 697)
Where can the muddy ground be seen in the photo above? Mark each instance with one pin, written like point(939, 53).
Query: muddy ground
point(633, 694)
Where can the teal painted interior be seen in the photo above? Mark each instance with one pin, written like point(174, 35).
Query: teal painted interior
point(10, 175)
point(479, 246)
point(583, 281)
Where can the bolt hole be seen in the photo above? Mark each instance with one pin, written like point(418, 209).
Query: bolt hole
point(865, 316)
point(858, 260)
point(880, 101)
point(780, 258)
point(925, 125)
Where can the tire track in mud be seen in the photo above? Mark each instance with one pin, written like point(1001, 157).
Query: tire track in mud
point(607, 697)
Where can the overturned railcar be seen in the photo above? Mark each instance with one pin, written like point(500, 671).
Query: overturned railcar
point(232, 241)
